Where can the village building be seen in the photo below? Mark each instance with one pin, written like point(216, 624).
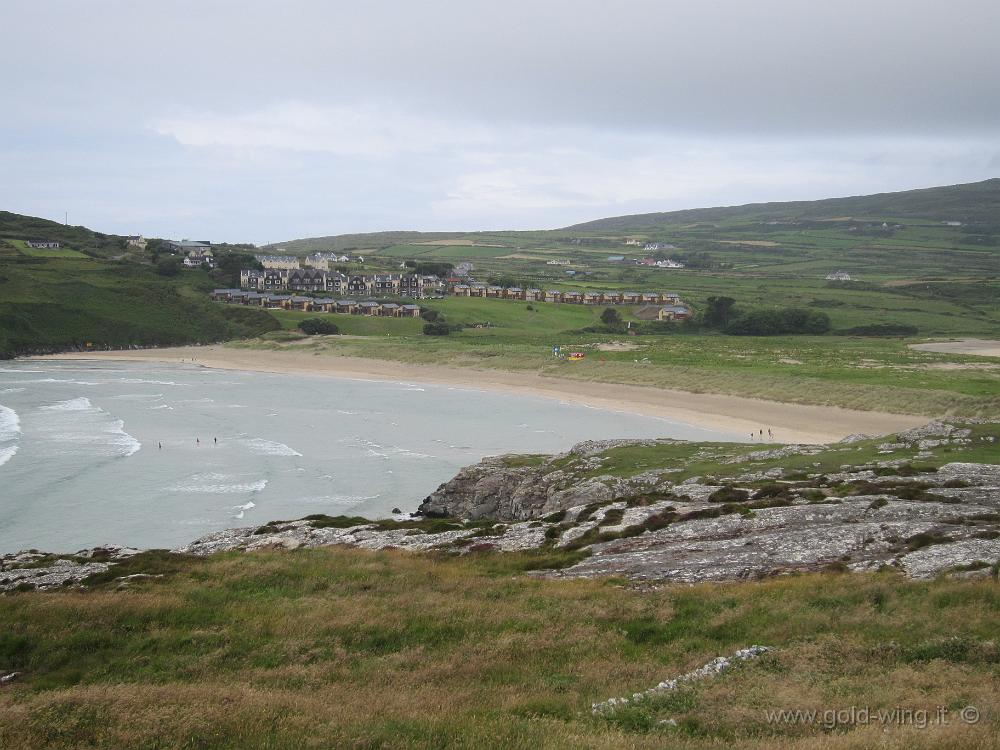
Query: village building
point(136, 240)
point(284, 262)
point(616, 258)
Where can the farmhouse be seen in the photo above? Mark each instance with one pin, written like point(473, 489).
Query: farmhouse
point(663, 312)
point(136, 240)
point(838, 276)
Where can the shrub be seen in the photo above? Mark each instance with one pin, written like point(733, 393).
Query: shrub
point(782, 321)
point(313, 326)
point(436, 329)
point(729, 494)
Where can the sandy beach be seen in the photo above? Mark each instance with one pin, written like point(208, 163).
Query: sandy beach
point(790, 423)
point(975, 347)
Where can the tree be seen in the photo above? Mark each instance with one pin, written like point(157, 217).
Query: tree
point(610, 317)
point(313, 326)
point(719, 311)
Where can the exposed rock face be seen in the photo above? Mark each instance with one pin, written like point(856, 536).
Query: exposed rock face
point(494, 489)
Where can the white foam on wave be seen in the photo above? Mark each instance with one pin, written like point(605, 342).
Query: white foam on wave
point(81, 424)
point(161, 406)
point(219, 484)
point(244, 508)
point(375, 450)
point(263, 447)
point(12, 390)
point(10, 424)
point(81, 403)
point(6, 454)
point(137, 396)
point(52, 380)
point(149, 382)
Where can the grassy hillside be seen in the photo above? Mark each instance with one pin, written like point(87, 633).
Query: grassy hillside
point(54, 304)
point(973, 202)
point(345, 648)
point(18, 228)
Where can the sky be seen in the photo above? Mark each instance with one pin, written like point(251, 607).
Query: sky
point(262, 121)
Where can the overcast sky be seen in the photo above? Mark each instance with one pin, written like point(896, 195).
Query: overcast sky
point(266, 120)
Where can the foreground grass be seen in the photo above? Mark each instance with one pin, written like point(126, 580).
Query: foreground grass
point(332, 647)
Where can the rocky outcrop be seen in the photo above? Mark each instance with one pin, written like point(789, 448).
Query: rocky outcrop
point(752, 519)
point(31, 569)
point(498, 489)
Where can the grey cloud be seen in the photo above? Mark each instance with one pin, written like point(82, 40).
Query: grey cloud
point(257, 120)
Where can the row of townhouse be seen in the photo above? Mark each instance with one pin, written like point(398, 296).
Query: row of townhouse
point(317, 280)
point(554, 295)
point(316, 304)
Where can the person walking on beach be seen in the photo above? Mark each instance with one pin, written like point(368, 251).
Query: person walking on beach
point(198, 441)
point(216, 440)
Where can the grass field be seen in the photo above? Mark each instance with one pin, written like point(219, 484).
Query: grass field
point(339, 648)
point(44, 252)
point(853, 372)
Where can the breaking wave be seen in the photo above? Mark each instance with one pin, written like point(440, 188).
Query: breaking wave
point(81, 424)
point(263, 447)
point(219, 484)
point(6, 454)
point(10, 424)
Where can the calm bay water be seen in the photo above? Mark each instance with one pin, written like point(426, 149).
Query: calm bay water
point(81, 462)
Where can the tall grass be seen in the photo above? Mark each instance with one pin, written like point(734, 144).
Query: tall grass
point(335, 648)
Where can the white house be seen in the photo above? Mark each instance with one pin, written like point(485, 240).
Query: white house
point(838, 276)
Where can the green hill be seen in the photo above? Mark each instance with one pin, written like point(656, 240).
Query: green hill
point(90, 293)
point(972, 202)
point(15, 228)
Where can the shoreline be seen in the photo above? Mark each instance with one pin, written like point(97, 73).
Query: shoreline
point(790, 423)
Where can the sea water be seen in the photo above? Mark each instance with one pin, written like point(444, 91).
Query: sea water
point(153, 455)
